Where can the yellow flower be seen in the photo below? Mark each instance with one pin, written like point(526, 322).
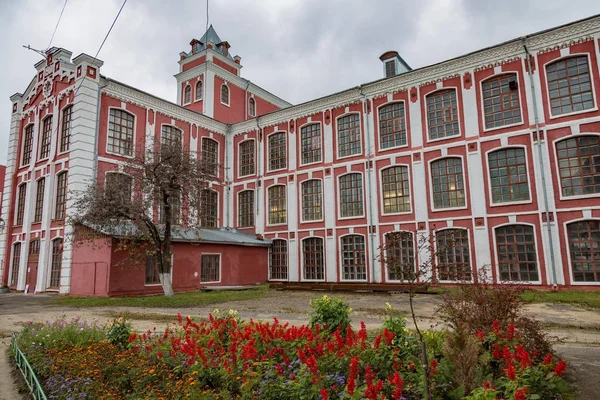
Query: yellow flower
point(388, 307)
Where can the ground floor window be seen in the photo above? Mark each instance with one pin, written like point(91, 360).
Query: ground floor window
point(16, 260)
point(353, 257)
point(278, 260)
point(584, 248)
point(400, 256)
point(313, 259)
point(210, 269)
point(454, 261)
point(517, 258)
point(152, 271)
point(57, 246)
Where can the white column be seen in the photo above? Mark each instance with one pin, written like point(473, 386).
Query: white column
point(82, 159)
point(228, 190)
point(329, 197)
point(470, 107)
point(293, 260)
point(8, 195)
point(328, 141)
point(292, 206)
point(209, 94)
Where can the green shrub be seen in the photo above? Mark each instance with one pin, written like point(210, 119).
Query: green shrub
point(330, 312)
point(118, 332)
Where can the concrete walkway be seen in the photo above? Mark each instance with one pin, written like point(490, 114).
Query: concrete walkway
point(577, 328)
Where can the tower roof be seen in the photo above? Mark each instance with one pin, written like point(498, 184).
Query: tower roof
point(211, 36)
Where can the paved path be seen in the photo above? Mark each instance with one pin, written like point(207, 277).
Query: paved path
point(578, 328)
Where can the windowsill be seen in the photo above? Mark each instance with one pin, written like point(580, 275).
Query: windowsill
point(433, 209)
point(382, 149)
point(197, 100)
point(444, 138)
point(349, 156)
point(225, 104)
point(210, 282)
point(63, 152)
point(396, 213)
point(520, 282)
point(119, 154)
point(277, 170)
point(246, 176)
point(351, 217)
point(279, 224)
point(584, 283)
point(486, 130)
point(152, 284)
point(315, 221)
point(573, 113)
point(578, 197)
point(311, 163)
point(511, 203)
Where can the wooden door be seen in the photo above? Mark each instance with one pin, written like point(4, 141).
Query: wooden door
point(32, 264)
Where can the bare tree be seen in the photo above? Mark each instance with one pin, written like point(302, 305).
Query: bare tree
point(152, 197)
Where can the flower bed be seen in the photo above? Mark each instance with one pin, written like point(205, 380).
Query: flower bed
point(223, 358)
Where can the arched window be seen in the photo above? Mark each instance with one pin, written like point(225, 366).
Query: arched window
point(251, 107)
point(584, 245)
point(349, 135)
point(447, 183)
point(351, 195)
point(442, 114)
point(508, 175)
point(400, 256)
point(209, 208)
point(39, 200)
point(395, 190)
point(27, 145)
point(16, 260)
point(120, 132)
point(246, 209)
point(57, 247)
point(46, 138)
point(246, 158)
point(454, 261)
point(278, 260)
point(354, 265)
point(277, 204)
point(65, 131)
point(20, 211)
point(171, 137)
point(517, 254)
point(392, 126)
point(61, 195)
point(199, 90)
point(313, 259)
point(501, 101)
point(569, 85)
point(224, 94)
point(277, 151)
point(175, 205)
point(579, 165)
point(119, 189)
point(210, 155)
point(187, 95)
point(310, 142)
point(312, 200)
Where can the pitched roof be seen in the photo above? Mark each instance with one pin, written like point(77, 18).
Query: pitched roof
point(211, 36)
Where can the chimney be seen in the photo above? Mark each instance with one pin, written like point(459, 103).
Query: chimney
point(393, 64)
point(237, 59)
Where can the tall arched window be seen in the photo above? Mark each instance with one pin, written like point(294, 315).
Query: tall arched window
point(442, 114)
point(224, 94)
point(584, 249)
point(39, 200)
point(501, 101)
point(569, 85)
point(312, 200)
point(251, 107)
point(61, 195)
point(395, 190)
point(65, 131)
point(278, 260)
point(400, 256)
point(517, 254)
point(447, 183)
point(354, 264)
point(209, 208)
point(349, 138)
point(392, 126)
point(119, 189)
point(199, 90)
point(351, 195)
point(454, 260)
point(310, 142)
point(16, 260)
point(210, 155)
point(120, 132)
point(27, 145)
point(246, 209)
point(171, 136)
point(20, 209)
point(313, 258)
point(508, 175)
point(277, 151)
point(56, 266)
point(246, 158)
point(187, 95)
point(277, 204)
point(46, 138)
point(579, 165)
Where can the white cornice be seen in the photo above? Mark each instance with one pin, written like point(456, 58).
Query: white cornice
point(234, 80)
point(129, 94)
point(537, 43)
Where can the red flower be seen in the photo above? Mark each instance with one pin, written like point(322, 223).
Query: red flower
point(324, 394)
point(521, 394)
point(132, 337)
point(496, 327)
point(433, 364)
point(511, 372)
point(560, 368)
point(511, 331)
point(548, 359)
point(480, 335)
point(487, 385)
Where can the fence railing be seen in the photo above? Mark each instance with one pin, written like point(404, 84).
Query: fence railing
point(30, 378)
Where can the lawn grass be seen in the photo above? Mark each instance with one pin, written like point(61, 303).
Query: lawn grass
point(584, 298)
point(179, 300)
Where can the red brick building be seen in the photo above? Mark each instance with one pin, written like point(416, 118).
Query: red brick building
point(496, 152)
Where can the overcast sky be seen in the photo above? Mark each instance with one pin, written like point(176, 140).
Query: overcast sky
point(297, 49)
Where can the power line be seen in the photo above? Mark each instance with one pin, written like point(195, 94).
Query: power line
point(104, 41)
point(206, 16)
point(57, 23)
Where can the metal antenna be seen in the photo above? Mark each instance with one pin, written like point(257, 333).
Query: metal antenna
point(206, 16)
point(40, 52)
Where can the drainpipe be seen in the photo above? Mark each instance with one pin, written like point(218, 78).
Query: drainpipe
point(228, 180)
point(246, 99)
point(95, 167)
point(258, 169)
point(369, 182)
point(542, 170)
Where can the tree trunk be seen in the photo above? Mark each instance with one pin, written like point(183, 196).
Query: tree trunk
point(165, 281)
